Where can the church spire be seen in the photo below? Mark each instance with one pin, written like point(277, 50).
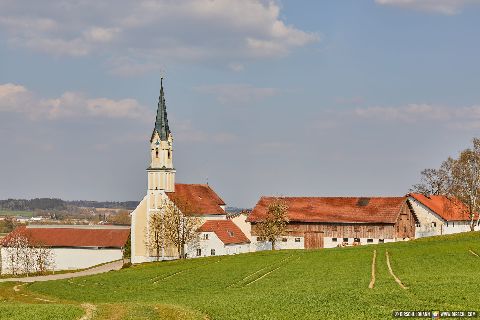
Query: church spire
point(161, 123)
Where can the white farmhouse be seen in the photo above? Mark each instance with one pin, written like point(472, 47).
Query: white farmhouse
point(73, 246)
point(221, 237)
point(438, 215)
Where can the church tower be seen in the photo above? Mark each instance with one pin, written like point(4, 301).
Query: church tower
point(161, 174)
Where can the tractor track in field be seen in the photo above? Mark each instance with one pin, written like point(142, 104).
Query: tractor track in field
point(372, 281)
point(397, 280)
point(474, 253)
point(271, 271)
point(158, 279)
point(258, 271)
point(89, 311)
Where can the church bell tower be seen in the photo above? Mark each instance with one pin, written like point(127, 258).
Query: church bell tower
point(161, 174)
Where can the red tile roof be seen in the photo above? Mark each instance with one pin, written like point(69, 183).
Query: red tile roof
point(335, 209)
point(226, 231)
point(448, 209)
point(197, 199)
point(72, 237)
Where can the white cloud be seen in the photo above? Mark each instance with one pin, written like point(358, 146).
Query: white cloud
point(145, 34)
point(453, 117)
point(446, 7)
point(18, 99)
point(237, 94)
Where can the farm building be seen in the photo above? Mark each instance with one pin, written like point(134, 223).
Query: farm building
point(198, 200)
point(326, 222)
point(73, 247)
point(221, 237)
point(439, 215)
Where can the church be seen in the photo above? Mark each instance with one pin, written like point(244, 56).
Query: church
point(217, 234)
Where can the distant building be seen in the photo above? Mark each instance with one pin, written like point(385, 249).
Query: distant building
point(161, 189)
point(73, 247)
point(327, 222)
point(439, 215)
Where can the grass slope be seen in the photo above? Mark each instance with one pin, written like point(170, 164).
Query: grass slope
point(440, 273)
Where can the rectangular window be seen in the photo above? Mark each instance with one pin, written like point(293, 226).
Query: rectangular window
point(356, 229)
point(199, 252)
point(345, 239)
point(212, 252)
point(369, 240)
point(356, 240)
point(205, 236)
point(297, 239)
point(381, 240)
point(434, 224)
point(284, 239)
point(334, 239)
point(453, 224)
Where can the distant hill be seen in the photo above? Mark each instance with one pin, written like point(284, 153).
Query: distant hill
point(59, 204)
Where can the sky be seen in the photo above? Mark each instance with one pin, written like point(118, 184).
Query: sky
point(287, 98)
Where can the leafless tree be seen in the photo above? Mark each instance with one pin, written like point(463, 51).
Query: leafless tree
point(466, 181)
point(43, 258)
point(436, 181)
point(155, 235)
point(275, 223)
point(24, 256)
point(17, 249)
point(180, 225)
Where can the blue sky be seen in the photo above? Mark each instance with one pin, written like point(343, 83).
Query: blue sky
point(264, 97)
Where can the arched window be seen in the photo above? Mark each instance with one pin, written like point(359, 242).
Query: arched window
point(156, 153)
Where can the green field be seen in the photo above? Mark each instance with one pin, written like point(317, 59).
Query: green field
point(440, 273)
point(14, 213)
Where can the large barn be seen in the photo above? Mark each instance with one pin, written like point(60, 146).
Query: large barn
point(326, 222)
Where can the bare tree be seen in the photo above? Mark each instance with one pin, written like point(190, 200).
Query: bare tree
point(43, 258)
point(180, 225)
point(466, 181)
point(275, 223)
point(436, 181)
point(24, 256)
point(155, 234)
point(17, 248)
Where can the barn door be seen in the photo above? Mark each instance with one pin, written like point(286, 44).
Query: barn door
point(313, 240)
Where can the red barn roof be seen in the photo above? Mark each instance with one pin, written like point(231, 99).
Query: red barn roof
point(335, 209)
point(226, 231)
point(72, 236)
point(197, 199)
point(450, 209)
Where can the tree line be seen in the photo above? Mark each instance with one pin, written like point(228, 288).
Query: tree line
point(59, 204)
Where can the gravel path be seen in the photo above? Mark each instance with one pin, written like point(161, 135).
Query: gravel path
point(115, 265)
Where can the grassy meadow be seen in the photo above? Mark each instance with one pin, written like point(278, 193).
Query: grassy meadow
point(440, 273)
point(14, 213)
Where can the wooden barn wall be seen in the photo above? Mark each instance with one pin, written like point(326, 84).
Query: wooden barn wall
point(405, 226)
point(341, 230)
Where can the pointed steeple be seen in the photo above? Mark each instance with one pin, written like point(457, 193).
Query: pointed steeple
point(161, 123)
